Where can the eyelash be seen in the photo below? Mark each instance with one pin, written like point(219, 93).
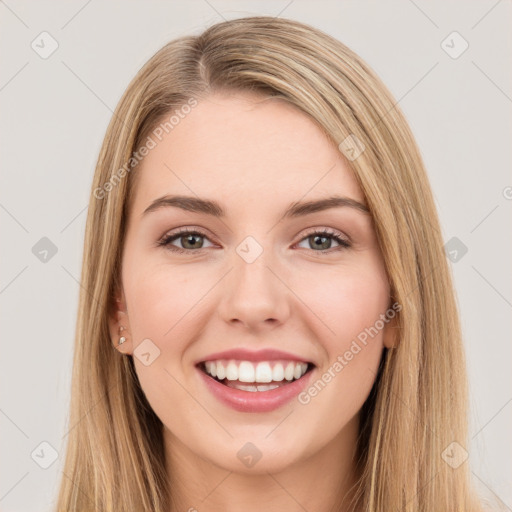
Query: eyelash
point(167, 239)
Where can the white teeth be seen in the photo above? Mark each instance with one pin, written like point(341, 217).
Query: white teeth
point(246, 372)
point(263, 372)
point(211, 368)
point(221, 371)
point(252, 387)
point(278, 372)
point(251, 372)
point(288, 372)
point(243, 387)
point(268, 387)
point(232, 371)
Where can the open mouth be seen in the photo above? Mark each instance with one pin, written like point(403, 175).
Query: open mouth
point(255, 376)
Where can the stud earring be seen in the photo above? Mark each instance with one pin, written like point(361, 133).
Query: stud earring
point(122, 339)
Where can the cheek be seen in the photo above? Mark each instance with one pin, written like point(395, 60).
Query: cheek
point(350, 304)
point(162, 304)
point(347, 301)
point(162, 301)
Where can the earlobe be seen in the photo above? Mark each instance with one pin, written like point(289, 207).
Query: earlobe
point(389, 342)
point(119, 327)
point(390, 335)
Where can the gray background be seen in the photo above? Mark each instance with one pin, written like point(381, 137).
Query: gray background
point(54, 115)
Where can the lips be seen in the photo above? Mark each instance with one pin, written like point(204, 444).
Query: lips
point(255, 381)
point(250, 355)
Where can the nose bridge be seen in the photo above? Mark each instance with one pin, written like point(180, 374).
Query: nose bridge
point(254, 294)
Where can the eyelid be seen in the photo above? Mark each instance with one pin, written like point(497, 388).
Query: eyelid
point(329, 231)
point(177, 232)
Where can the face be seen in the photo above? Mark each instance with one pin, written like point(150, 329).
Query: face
point(252, 295)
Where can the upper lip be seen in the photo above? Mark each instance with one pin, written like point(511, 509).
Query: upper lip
point(268, 354)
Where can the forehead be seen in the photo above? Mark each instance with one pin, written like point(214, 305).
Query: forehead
point(242, 150)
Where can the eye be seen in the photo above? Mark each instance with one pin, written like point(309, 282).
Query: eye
point(189, 238)
point(322, 240)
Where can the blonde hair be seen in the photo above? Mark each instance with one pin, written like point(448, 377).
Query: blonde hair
point(418, 405)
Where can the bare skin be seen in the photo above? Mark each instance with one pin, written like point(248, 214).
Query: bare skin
point(304, 294)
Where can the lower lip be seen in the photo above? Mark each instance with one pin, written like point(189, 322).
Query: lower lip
point(255, 401)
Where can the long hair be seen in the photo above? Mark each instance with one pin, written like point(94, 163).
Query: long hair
point(418, 406)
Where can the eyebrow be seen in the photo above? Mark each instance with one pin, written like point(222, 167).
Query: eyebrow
point(296, 209)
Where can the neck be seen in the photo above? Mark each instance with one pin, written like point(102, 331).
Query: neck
point(324, 481)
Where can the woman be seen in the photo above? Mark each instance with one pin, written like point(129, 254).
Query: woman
point(267, 318)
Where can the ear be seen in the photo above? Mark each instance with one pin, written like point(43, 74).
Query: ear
point(390, 334)
point(119, 325)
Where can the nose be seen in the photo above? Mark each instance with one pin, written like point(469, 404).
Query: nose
point(255, 296)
